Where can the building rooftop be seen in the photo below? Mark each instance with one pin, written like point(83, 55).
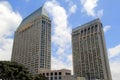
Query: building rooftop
point(63, 70)
point(34, 15)
point(87, 24)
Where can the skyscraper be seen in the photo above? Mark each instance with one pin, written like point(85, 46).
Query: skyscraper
point(90, 59)
point(32, 42)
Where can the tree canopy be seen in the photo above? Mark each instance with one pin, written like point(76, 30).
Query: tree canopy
point(14, 71)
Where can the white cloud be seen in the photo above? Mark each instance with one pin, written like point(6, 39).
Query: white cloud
point(106, 28)
point(113, 52)
point(6, 49)
point(114, 56)
point(9, 21)
point(70, 58)
point(61, 31)
point(59, 63)
point(115, 69)
point(61, 38)
point(73, 9)
point(100, 13)
point(89, 8)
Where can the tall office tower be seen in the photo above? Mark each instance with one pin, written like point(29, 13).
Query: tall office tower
point(32, 42)
point(90, 59)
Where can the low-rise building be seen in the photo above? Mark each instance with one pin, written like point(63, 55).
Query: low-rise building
point(55, 74)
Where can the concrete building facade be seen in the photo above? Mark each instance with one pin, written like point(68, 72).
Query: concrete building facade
point(72, 77)
point(32, 42)
point(90, 59)
point(62, 74)
point(56, 74)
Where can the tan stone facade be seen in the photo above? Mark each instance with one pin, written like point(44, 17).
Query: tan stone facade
point(55, 74)
point(90, 59)
point(32, 42)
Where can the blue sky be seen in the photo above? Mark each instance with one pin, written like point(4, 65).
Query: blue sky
point(65, 15)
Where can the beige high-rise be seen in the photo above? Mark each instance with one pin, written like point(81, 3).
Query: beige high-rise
point(32, 42)
point(90, 59)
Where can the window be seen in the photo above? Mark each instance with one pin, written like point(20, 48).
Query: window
point(92, 28)
point(67, 73)
point(51, 78)
point(60, 78)
point(47, 74)
point(85, 30)
point(55, 78)
point(88, 30)
point(59, 73)
point(51, 74)
point(96, 27)
point(81, 31)
point(55, 73)
point(43, 22)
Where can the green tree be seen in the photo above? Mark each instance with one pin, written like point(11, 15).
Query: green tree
point(14, 71)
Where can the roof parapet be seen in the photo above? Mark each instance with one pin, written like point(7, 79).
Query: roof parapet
point(87, 24)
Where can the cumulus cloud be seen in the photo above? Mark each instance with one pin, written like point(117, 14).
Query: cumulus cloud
point(6, 49)
point(115, 51)
point(106, 28)
point(61, 37)
point(61, 31)
point(100, 13)
point(89, 8)
point(115, 69)
point(60, 63)
point(9, 21)
point(57, 63)
point(73, 9)
point(114, 56)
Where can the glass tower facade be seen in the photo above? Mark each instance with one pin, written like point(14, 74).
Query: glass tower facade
point(90, 59)
point(32, 42)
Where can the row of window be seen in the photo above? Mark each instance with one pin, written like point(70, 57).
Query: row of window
point(52, 73)
point(55, 78)
point(87, 30)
